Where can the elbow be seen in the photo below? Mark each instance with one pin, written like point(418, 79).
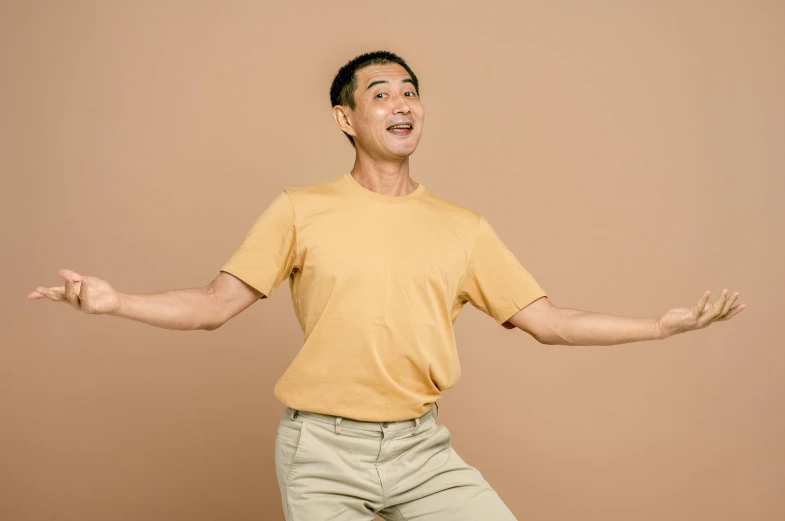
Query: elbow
point(550, 336)
point(213, 325)
point(542, 320)
point(548, 340)
point(547, 333)
point(552, 331)
point(213, 315)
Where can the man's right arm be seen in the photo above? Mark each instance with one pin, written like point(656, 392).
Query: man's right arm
point(205, 308)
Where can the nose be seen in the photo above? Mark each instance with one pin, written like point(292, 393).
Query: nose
point(401, 105)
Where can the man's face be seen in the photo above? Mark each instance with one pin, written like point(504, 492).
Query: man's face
point(388, 115)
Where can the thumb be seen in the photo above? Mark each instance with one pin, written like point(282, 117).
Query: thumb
point(69, 275)
point(83, 289)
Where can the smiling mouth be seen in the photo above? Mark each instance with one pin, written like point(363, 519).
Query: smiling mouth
point(401, 129)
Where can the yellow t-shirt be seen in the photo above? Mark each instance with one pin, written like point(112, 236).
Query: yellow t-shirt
point(377, 282)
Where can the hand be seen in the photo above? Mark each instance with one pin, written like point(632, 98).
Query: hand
point(681, 320)
point(87, 294)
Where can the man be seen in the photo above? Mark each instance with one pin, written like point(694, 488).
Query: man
point(378, 268)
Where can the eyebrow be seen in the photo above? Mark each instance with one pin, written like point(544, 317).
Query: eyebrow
point(407, 80)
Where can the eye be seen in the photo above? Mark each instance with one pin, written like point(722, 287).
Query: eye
point(410, 94)
point(379, 96)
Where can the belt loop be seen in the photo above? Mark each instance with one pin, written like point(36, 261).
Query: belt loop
point(416, 422)
point(292, 413)
point(338, 425)
point(437, 410)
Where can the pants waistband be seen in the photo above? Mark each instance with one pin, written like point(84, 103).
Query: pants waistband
point(339, 422)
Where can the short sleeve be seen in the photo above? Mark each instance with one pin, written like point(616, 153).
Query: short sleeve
point(267, 255)
point(495, 282)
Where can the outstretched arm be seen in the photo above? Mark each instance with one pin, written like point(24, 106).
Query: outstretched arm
point(553, 325)
point(205, 308)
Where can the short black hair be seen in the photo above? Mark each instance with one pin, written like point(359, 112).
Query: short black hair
point(345, 82)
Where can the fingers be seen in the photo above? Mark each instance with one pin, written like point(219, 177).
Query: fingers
point(67, 293)
point(83, 290)
point(71, 294)
point(68, 274)
point(717, 310)
point(729, 304)
point(724, 309)
point(55, 294)
point(735, 310)
point(35, 295)
point(712, 312)
point(700, 307)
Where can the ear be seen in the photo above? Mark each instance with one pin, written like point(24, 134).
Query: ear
point(342, 116)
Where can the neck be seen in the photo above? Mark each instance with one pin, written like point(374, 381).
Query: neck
point(383, 176)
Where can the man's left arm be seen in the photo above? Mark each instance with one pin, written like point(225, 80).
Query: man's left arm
point(553, 325)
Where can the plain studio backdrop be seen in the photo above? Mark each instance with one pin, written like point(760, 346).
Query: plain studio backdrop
point(629, 153)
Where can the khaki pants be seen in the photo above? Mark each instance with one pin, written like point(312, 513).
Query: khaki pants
point(338, 469)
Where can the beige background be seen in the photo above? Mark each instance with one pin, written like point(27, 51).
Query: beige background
point(630, 154)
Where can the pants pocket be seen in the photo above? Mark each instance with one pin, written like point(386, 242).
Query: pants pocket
point(288, 442)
